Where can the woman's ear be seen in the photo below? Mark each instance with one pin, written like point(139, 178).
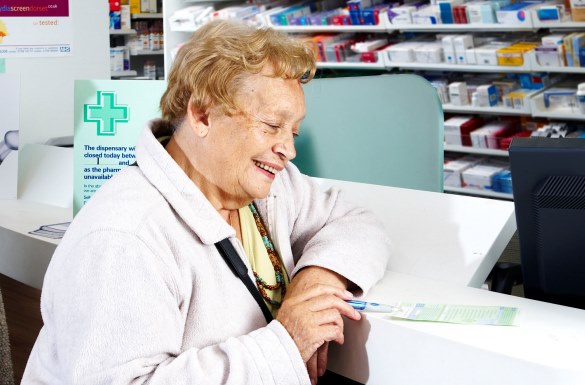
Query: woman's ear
point(198, 121)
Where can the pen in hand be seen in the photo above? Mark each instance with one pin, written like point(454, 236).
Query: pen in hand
point(371, 306)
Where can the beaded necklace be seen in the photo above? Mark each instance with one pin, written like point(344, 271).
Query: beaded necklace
point(274, 259)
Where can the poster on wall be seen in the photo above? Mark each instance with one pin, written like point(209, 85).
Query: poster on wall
point(9, 135)
point(109, 116)
point(35, 28)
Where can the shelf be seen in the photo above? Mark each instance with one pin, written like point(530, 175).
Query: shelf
point(123, 74)
point(458, 67)
point(460, 27)
point(484, 110)
point(147, 52)
point(558, 24)
point(361, 66)
point(114, 32)
point(478, 192)
point(184, 29)
point(330, 28)
point(567, 115)
point(147, 16)
point(565, 70)
point(474, 150)
point(540, 111)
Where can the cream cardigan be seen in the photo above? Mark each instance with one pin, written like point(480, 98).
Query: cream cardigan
point(137, 293)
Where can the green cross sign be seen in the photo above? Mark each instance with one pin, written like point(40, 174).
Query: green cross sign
point(106, 113)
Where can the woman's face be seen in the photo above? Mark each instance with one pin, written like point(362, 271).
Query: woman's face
point(245, 151)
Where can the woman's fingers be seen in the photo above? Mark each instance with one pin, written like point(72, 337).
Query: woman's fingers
point(322, 359)
point(319, 289)
point(313, 318)
point(312, 368)
point(325, 301)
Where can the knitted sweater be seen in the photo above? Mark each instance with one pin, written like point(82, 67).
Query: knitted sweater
point(136, 291)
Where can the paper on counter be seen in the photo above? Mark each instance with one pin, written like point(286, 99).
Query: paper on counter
point(458, 314)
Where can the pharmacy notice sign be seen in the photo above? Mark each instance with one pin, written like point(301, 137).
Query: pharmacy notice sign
point(109, 116)
point(35, 28)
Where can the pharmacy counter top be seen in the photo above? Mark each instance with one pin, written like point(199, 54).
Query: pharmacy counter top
point(544, 347)
point(23, 256)
point(449, 238)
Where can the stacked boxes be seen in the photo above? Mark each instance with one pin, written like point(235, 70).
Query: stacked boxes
point(457, 129)
point(489, 136)
point(453, 170)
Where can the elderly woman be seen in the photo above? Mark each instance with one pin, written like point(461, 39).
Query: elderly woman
point(138, 292)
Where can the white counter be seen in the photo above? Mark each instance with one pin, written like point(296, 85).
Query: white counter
point(23, 256)
point(545, 347)
point(449, 238)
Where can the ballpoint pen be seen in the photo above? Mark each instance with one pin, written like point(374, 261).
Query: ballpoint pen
point(372, 306)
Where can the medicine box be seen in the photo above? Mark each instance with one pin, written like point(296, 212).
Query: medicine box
point(431, 52)
point(487, 54)
point(145, 6)
point(578, 10)
point(480, 176)
point(551, 12)
point(401, 15)
point(458, 128)
point(446, 10)
point(453, 170)
point(518, 100)
point(458, 94)
point(488, 135)
point(470, 56)
point(505, 86)
point(516, 13)
point(549, 56)
point(560, 98)
point(402, 52)
point(427, 15)
point(135, 6)
point(510, 56)
point(481, 12)
point(449, 48)
point(534, 81)
point(125, 17)
point(462, 43)
point(553, 39)
point(487, 95)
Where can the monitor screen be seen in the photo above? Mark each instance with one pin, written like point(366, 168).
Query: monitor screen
point(548, 182)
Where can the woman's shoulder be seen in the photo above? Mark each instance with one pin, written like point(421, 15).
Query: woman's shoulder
point(123, 203)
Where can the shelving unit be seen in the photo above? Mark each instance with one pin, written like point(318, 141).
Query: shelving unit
point(530, 64)
point(147, 53)
point(474, 150)
point(497, 110)
point(477, 192)
point(146, 16)
point(124, 74)
point(122, 32)
point(138, 58)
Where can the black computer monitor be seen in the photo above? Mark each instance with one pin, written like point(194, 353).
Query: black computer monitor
point(548, 181)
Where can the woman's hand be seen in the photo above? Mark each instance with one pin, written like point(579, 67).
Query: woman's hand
point(313, 317)
point(317, 364)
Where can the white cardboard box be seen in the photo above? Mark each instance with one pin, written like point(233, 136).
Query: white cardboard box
point(480, 176)
point(402, 52)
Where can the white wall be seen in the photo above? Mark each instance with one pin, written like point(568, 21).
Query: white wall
point(46, 94)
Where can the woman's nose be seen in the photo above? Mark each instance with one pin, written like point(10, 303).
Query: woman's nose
point(286, 148)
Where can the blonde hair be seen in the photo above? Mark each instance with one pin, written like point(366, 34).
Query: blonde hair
point(210, 66)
